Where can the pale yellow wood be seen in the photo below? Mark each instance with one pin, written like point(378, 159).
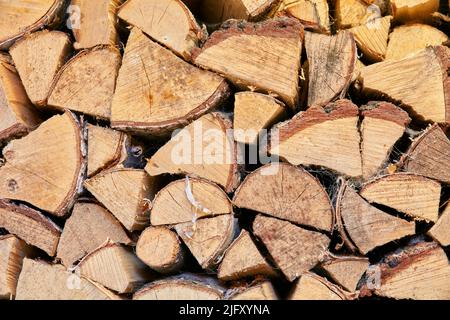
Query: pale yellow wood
point(204, 148)
point(208, 238)
point(45, 167)
point(414, 10)
point(126, 193)
point(215, 11)
point(115, 267)
point(187, 199)
point(89, 226)
point(262, 291)
point(407, 40)
point(313, 13)
point(352, 13)
point(40, 280)
point(346, 270)
point(441, 230)
point(243, 259)
point(411, 194)
point(169, 22)
point(254, 112)
point(86, 82)
point(38, 57)
point(312, 287)
point(12, 252)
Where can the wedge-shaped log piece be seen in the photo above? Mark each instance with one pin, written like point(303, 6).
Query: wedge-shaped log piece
point(263, 56)
point(313, 287)
point(205, 148)
point(367, 226)
point(160, 249)
point(441, 230)
point(184, 287)
point(216, 11)
point(86, 83)
point(38, 58)
point(372, 38)
point(115, 267)
point(188, 199)
point(419, 271)
point(382, 126)
point(169, 22)
point(13, 250)
point(254, 112)
point(243, 259)
point(411, 194)
point(327, 137)
point(40, 280)
point(45, 168)
point(313, 14)
point(286, 192)
point(106, 148)
point(422, 86)
point(17, 114)
point(282, 239)
point(30, 225)
point(429, 155)
point(208, 238)
point(407, 40)
point(262, 290)
point(352, 13)
point(89, 226)
point(18, 18)
point(331, 61)
point(346, 270)
point(126, 193)
point(98, 23)
point(410, 11)
point(158, 92)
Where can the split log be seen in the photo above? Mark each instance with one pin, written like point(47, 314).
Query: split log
point(243, 259)
point(17, 114)
point(282, 239)
point(171, 24)
point(158, 92)
point(313, 14)
point(183, 287)
point(106, 148)
point(383, 124)
point(263, 291)
point(414, 11)
point(372, 38)
point(420, 271)
point(34, 15)
point(440, 231)
point(254, 112)
point(286, 192)
point(264, 56)
point(216, 11)
point(358, 67)
point(30, 225)
point(414, 195)
point(126, 193)
point(351, 13)
point(160, 249)
point(422, 86)
point(407, 40)
point(46, 167)
point(38, 58)
point(429, 155)
point(346, 271)
point(40, 280)
point(86, 82)
point(188, 199)
point(115, 267)
point(208, 238)
point(13, 251)
point(193, 152)
point(331, 61)
point(366, 226)
point(98, 23)
point(327, 137)
point(313, 287)
point(89, 226)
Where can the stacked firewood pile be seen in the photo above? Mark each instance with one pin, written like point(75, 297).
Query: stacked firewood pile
point(224, 149)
